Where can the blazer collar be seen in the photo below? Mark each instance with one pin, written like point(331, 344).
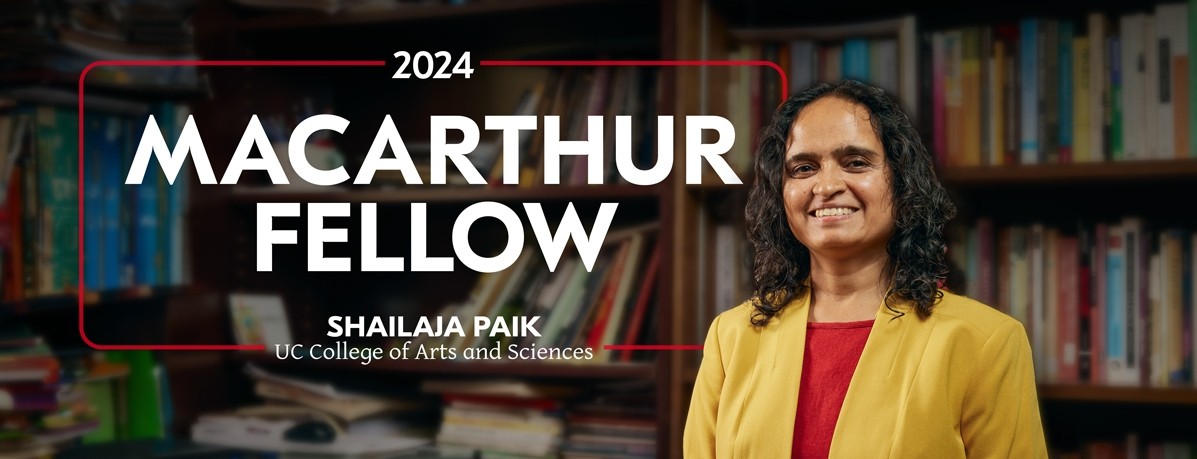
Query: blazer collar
point(876, 375)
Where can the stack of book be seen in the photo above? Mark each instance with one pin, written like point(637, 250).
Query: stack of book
point(313, 417)
point(347, 407)
point(128, 30)
point(39, 411)
point(613, 427)
point(55, 41)
point(499, 417)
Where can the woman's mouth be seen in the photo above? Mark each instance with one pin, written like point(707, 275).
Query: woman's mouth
point(833, 212)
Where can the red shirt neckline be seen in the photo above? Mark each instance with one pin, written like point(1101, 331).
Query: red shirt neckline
point(840, 325)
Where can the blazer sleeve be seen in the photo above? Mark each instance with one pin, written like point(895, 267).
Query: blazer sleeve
point(698, 440)
point(1000, 416)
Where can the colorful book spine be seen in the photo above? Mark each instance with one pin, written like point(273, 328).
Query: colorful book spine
point(939, 96)
point(1099, 84)
point(970, 95)
point(1065, 88)
point(1116, 100)
point(856, 59)
point(1029, 89)
point(1081, 141)
point(1119, 343)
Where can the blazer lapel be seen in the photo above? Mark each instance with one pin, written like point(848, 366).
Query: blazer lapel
point(776, 377)
point(873, 407)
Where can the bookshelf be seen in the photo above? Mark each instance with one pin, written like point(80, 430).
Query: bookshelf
point(1007, 194)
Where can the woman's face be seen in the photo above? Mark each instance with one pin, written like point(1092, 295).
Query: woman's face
point(836, 182)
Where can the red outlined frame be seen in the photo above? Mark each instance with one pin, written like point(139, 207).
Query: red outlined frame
point(366, 63)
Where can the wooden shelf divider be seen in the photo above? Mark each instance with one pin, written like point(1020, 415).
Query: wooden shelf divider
point(1108, 171)
point(1118, 394)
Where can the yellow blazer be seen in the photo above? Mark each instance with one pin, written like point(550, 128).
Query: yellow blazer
point(958, 384)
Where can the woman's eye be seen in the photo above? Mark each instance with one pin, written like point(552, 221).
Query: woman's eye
point(803, 169)
point(858, 163)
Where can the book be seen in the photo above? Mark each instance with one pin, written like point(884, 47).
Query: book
point(259, 319)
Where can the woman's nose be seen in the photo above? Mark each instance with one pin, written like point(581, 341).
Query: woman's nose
point(829, 182)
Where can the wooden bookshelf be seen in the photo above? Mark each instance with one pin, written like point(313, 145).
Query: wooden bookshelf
point(603, 371)
point(407, 13)
point(451, 194)
point(94, 86)
point(69, 301)
point(1113, 394)
point(1110, 171)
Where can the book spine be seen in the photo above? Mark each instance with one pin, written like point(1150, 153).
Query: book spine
point(1011, 93)
point(93, 216)
point(1069, 315)
point(1115, 128)
point(997, 103)
point(1191, 35)
point(1166, 38)
point(970, 96)
point(1119, 345)
point(1065, 88)
point(1098, 87)
point(1085, 298)
point(1047, 122)
point(1100, 310)
point(954, 98)
point(1029, 88)
point(856, 59)
point(1051, 303)
point(1081, 140)
point(1150, 101)
point(1038, 308)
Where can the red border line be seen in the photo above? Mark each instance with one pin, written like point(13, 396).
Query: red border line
point(785, 85)
point(149, 63)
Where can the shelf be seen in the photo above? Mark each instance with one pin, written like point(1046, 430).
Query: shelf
point(96, 86)
point(449, 194)
point(607, 371)
point(69, 301)
point(313, 20)
point(1155, 170)
point(1114, 394)
point(1088, 393)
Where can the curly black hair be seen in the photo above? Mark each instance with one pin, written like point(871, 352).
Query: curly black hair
point(781, 264)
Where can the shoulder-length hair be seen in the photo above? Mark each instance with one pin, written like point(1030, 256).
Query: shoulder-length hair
point(781, 264)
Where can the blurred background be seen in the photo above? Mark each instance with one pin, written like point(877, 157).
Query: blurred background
point(1061, 130)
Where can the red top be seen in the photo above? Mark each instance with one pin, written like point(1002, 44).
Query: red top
point(832, 351)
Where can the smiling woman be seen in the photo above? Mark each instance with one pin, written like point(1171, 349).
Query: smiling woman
point(848, 347)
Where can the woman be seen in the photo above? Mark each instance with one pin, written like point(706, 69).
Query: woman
point(848, 347)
